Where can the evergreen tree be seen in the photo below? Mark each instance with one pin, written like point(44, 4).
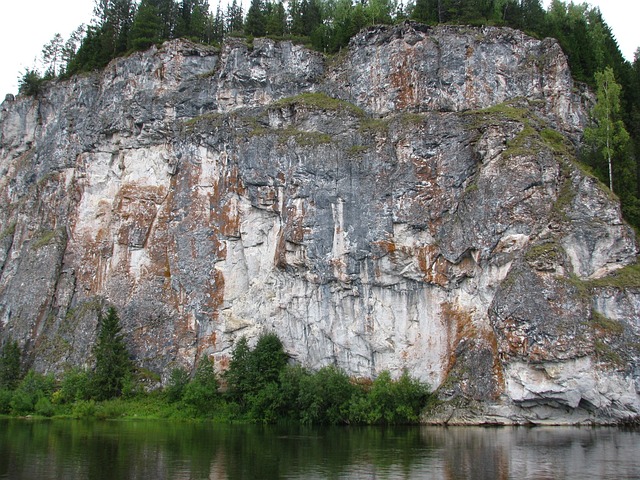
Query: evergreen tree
point(255, 22)
point(276, 19)
point(218, 27)
point(267, 360)
point(30, 82)
point(52, 56)
point(10, 365)
point(113, 367)
point(425, 11)
point(296, 26)
point(71, 46)
point(311, 16)
point(234, 17)
point(238, 374)
point(146, 29)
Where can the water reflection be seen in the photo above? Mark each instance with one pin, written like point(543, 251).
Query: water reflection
point(171, 450)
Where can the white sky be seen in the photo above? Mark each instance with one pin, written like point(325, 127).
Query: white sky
point(26, 25)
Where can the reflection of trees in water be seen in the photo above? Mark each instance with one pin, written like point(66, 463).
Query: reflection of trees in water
point(69, 449)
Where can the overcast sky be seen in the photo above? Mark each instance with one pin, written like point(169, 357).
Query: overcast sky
point(26, 25)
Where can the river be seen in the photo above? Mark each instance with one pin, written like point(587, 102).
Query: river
point(74, 449)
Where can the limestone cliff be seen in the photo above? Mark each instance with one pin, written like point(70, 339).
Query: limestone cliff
point(412, 202)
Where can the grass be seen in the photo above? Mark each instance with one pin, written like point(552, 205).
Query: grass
point(355, 150)
point(606, 325)
point(548, 250)
point(9, 231)
point(320, 101)
point(626, 277)
point(46, 237)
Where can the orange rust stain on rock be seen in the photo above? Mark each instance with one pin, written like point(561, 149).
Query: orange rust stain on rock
point(280, 255)
point(436, 268)
point(516, 342)
point(294, 227)
point(215, 291)
point(459, 328)
point(402, 78)
point(223, 362)
point(223, 203)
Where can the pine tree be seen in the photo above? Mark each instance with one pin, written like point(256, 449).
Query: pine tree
point(10, 365)
point(113, 366)
point(276, 19)
point(255, 22)
point(71, 46)
point(146, 29)
point(52, 56)
point(238, 374)
point(234, 17)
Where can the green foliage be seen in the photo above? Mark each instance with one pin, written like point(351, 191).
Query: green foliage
point(30, 83)
point(146, 29)
point(10, 365)
point(253, 376)
point(201, 393)
point(84, 409)
point(325, 397)
point(44, 407)
point(31, 389)
point(6, 396)
point(608, 136)
point(320, 101)
point(178, 381)
point(75, 385)
point(113, 368)
point(238, 375)
point(627, 277)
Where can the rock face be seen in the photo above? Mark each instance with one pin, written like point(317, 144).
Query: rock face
point(412, 203)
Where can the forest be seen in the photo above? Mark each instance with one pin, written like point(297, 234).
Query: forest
point(120, 27)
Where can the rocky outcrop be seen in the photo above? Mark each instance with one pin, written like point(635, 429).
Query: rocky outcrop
point(412, 203)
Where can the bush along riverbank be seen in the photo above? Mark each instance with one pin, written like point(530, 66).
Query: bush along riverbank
point(260, 386)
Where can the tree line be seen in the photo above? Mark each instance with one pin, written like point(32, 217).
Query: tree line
point(260, 385)
point(123, 26)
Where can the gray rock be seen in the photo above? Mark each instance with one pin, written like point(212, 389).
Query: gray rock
point(412, 203)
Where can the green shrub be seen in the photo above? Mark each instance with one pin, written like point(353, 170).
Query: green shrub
point(22, 403)
point(178, 381)
point(32, 387)
point(75, 385)
point(114, 408)
point(84, 409)
point(30, 83)
point(44, 407)
point(202, 392)
point(390, 401)
point(325, 397)
point(5, 401)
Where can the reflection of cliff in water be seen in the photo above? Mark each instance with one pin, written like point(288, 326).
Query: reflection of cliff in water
point(171, 450)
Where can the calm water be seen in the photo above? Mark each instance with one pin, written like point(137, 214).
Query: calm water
point(66, 449)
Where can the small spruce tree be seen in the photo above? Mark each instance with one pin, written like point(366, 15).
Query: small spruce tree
point(113, 366)
point(10, 365)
